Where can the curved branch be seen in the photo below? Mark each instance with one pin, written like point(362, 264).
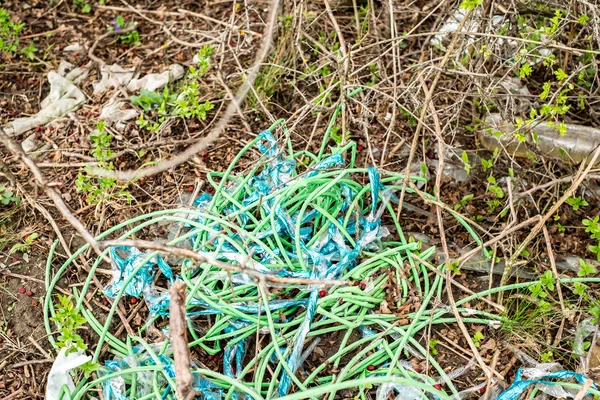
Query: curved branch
point(204, 142)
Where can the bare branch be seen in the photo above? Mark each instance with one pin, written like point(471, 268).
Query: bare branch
point(206, 258)
point(206, 141)
point(178, 333)
point(53, 193)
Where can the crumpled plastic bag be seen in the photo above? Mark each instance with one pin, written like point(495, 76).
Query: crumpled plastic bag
point(153, 82)
point(112, 75)
point(59, 374)
point(64, 96)
point(114, 113)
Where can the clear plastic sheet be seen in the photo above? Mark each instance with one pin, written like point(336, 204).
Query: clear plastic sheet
point(547, 382)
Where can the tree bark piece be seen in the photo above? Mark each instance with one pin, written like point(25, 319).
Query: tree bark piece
point(181, 350)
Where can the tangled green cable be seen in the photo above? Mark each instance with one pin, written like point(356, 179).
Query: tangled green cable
point(323, 206)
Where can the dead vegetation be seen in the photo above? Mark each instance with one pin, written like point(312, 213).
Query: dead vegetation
point(422, 85)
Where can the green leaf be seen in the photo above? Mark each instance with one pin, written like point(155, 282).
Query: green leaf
point(585, 268)
point(583, 19)
point(560, 75)
point(548, 280)
point(432, 345)
point(525, 70)
point(579, 289)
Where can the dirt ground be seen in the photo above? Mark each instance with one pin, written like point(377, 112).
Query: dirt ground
point(425, 100)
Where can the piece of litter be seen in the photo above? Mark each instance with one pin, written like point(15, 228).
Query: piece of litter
point(544, 380)
point(29, 144)
point(113, 112)
point(153, 82)
point(72, 73)
point(64, 96)
point(73, 47)
point(575, 145)
point(112, 76)
point(59, 374)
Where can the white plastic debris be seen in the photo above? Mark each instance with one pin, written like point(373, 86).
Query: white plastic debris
point(507, 49)
point(74, 47)
point(75, 75)
point(64, 96)
point(585, 329)
point(153, 82)
point(112, 75)
point(575, 145)
point(29, 144)
point(541, 370)
point(452, 24)
point(113, 112)
point(59, 374)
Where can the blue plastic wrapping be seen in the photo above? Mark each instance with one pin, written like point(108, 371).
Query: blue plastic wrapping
point(327, 257)
point(520, 385)
point(115, 388)
point(123, 268)
point(327, 268)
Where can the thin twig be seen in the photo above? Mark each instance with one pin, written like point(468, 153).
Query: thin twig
point(56, 197)
point(209, 259)
point(203, 143)
point(91, 54)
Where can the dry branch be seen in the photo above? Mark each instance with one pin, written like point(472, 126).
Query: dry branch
point(214, 134)
point(209, 259)
point(181, 350)
point(53, 193)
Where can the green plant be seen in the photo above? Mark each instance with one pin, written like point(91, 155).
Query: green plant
point(525, 70)
point(477, 338)
point(463, 202)
point(497, 191)
point(203, 64)
point(470, 4)
point(488, 164)
point(592, 226)
point(465, 159)
point(595, 249)
point(432, 347)
point(548, 281)
point(69, 320)
point(188, 105)
point(98, 189)
point(338, 137)
point(8, 196)
point(153, 102)
point(580, 290)
point(30, 51)
point(131, 37)
point(82, 5)
point(547, 357)
point(25, 245)
point(537, 291)
point(585, 268)
point(595, 310)
point(583, 19)
point(9, 33)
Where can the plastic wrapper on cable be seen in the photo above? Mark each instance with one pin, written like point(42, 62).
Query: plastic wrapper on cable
point(125, 269)
point(547, 382)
